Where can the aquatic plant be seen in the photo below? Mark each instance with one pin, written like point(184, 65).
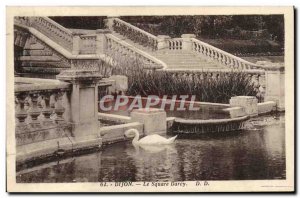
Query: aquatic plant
point(146, 82)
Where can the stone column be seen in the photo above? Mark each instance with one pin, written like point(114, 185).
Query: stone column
point(275, 85)
point(101, 41)
point(83, 102)
point(187, 43)
point(162, 42)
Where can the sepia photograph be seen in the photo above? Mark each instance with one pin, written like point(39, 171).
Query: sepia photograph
point(157, 99)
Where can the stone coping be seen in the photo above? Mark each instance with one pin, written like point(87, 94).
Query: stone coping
point(81, 75)
point(114, 117)
point(211, 121)
point(195, 102)
point(248, 71)
point(148, 110)
point(38, 84)
point(108, 129)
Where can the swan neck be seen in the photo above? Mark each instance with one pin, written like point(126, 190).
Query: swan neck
point(136, 137)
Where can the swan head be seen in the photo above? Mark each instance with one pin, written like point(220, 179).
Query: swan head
point(131, 133)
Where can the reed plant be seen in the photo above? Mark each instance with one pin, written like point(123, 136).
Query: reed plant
point(146, 82)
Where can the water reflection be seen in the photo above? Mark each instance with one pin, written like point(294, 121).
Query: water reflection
point(248, 154)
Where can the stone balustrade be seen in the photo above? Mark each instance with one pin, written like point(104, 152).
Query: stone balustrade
point(38, 99)
point(38, 105)
point(135, 34)
point(53, 30)
point(175, 44)
point(125, 53)
point(221, 56)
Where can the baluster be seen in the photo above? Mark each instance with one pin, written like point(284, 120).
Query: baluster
point(34, 111)
point(220, 57)
point(21, 113)
point(227, 60)
point(47, 110)
point(59, 109)
point(215, 55)
point(207, 52)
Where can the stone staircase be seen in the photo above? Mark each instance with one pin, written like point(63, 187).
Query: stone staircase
point(38, 57)
point(186, 60)
point(49, 48)
point(176, 59)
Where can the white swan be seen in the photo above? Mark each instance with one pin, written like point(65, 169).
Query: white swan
point(149, 139)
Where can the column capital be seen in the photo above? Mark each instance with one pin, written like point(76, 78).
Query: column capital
point(80, 76)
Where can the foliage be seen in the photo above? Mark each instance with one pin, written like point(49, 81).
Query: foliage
point(147, 82)
point(212, 26)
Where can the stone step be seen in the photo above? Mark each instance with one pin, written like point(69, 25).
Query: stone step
point(184, 60)
point(192, 66)
point(42, 70)
point(40, 58)
point(35, 46)
point(30, 52)
point(43, 64)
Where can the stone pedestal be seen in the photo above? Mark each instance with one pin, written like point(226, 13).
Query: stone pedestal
point(249, 103)
point(101, 44)
point(76, 45)
point(162, 42)
point(154, 120)
point(83, 102)
point(109, 22)
point(275, 85)
point(120, 84)
point(187, 43)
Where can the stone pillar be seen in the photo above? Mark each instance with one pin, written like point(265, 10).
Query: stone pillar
point(120, 84)
point(109, 22)
point(83, 102)
point(249, 103)
point(187, 43)
point(162, 42)
point(101, 42)
point(154, 120)
point(275, 85)
point(76, 44)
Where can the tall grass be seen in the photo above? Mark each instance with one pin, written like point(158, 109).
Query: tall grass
point(206, 89)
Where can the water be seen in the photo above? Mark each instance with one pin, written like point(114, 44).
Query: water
point(253, 154)
point(205, 111)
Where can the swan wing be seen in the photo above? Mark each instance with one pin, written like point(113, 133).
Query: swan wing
point(156, 139)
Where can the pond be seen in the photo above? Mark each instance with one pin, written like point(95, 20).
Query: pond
point(205, 111)
point(251, 154)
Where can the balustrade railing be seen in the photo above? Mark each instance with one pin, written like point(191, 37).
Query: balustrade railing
point(123, 52)
point(53, 30)
point(39, 103)
point(88, 44)
point(135, 34)
point(221, 56)
point(175, 44)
